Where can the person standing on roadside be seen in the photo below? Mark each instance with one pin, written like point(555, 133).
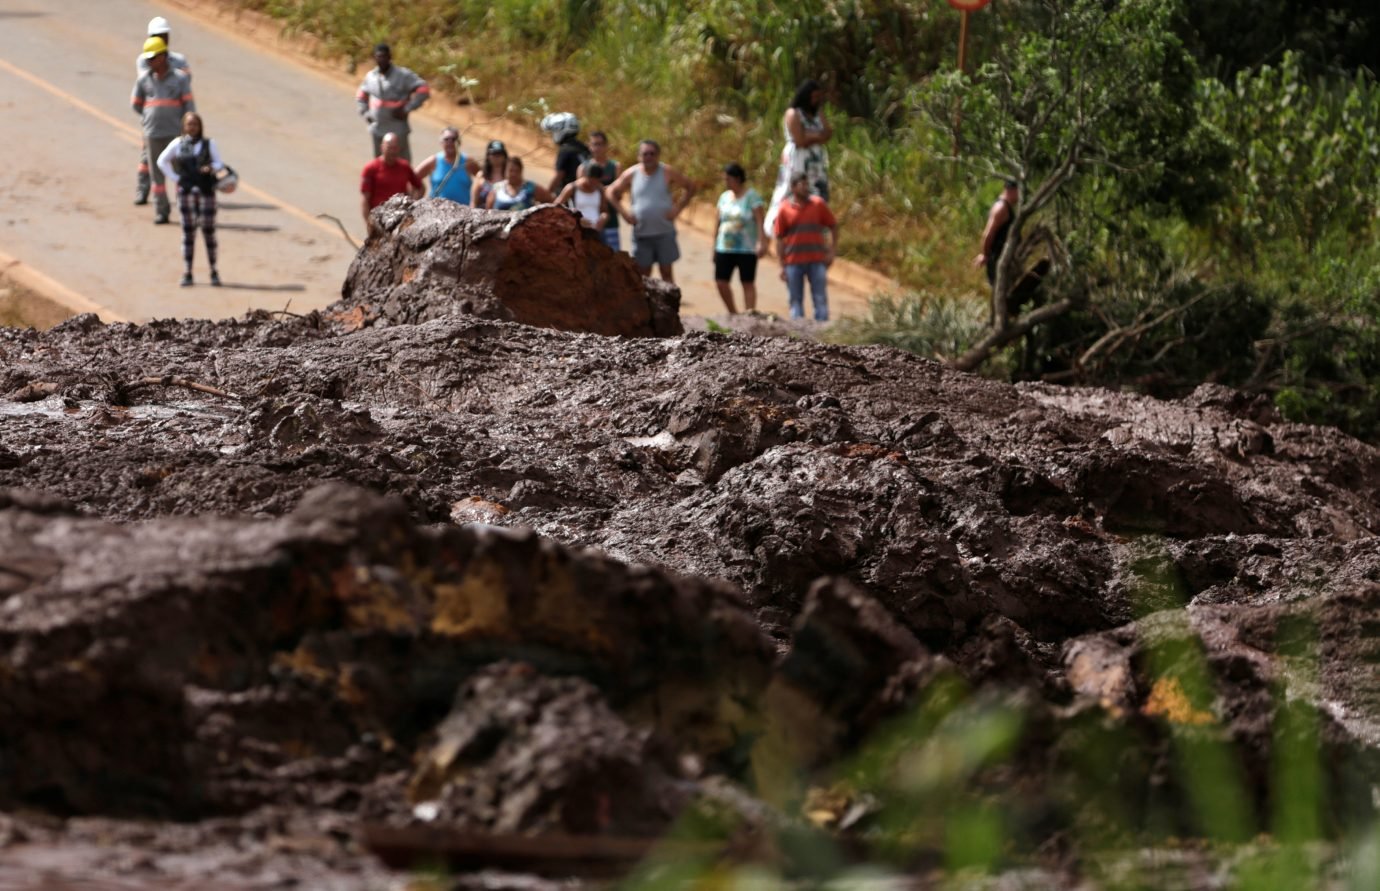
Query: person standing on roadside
point(193, 161)
point(800, 245)
point(513, 192)
point(586, 197)
point(495, 162)
point(806, 134)
point(161, 96)
point(998, 227)
point(387, 175)
point(739, 238)
point(608, 173)
point(158, 27)
point(564, 130)
point(449, 169)
point(387, 96)
point(654, 210)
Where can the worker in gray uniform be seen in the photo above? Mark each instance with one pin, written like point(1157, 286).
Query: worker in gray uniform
point(158, 27)
point(161, 96)
point(387, 96)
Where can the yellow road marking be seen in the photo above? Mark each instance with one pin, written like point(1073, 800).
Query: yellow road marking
point(128, 130)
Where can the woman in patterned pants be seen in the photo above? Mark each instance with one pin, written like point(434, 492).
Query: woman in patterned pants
point(193, 161)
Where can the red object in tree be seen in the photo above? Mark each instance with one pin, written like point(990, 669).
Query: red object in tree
point(968, 5)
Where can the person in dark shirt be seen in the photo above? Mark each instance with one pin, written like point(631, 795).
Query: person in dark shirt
point(998, 226)
point(564, 130)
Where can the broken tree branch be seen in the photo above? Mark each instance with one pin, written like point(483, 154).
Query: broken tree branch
point(173, 380)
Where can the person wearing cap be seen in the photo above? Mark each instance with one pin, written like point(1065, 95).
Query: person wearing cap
point(495, 163)
point(998, 227)
point(158, 27)
point(161, 96)
point(387, 96)
point(564, 130)
point(450, 170)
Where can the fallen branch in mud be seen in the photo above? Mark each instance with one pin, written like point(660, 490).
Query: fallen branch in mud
point(343, 231)
point(172, 380)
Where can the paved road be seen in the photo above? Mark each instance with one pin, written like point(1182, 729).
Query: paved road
point(287, 126)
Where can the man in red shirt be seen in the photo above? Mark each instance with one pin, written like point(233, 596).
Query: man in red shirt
point(803, 250)
point(387, 175)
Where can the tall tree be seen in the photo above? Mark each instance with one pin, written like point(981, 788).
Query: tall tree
point(1080, 99)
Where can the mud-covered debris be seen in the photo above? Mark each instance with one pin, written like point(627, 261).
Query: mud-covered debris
point(520, 752)
point(539, 267)
point(319, 646)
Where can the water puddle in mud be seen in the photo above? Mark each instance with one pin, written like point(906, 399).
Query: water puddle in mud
point(55, 410)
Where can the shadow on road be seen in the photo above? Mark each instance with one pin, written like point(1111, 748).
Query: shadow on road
point(246, 286)
point(240, 205)
point(249, 227)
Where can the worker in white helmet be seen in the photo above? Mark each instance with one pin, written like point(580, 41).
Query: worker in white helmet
point(158, 27)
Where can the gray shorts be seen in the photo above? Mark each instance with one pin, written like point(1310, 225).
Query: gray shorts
point(659, 249)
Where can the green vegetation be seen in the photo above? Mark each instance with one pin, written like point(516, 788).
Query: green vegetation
point(1201, 179)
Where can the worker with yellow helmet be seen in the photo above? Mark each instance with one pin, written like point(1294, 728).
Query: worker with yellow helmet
point(158, 27)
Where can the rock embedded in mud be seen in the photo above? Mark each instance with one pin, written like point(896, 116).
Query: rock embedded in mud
point(282, 644)
point(520, 752)
point(539, 267)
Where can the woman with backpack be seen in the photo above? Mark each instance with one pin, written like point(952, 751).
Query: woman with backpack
point(193, 161)
point(449, 170)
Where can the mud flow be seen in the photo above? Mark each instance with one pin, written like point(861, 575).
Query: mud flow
point(490, 566)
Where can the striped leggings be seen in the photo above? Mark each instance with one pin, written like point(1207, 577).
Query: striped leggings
point(194, 206)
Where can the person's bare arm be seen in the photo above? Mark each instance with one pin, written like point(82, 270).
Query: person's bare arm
point(567, 193)
point(995, 219)
point(676, 178)
point(615, 195)
point(795, 125)
point(423, 170)
point(364, 205)
point(472, 167)
point(542, 195)
point(833, 245)
point(493, 194)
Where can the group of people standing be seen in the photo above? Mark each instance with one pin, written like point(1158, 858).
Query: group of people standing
point(649, 195)
point(175, 147)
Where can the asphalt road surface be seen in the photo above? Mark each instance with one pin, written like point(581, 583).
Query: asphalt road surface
point(286, 124)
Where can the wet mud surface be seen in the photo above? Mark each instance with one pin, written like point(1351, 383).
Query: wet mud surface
point(516, 580)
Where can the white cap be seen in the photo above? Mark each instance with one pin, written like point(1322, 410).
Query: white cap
point(159, 25)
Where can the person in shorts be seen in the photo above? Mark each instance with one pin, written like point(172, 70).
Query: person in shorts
point(654, 208)
point(738, 237)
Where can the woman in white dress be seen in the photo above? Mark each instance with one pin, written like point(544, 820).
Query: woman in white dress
point(806, 134)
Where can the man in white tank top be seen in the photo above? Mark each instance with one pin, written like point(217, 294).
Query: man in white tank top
point(654, 210)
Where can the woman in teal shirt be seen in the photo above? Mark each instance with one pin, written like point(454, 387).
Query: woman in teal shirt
point(739, 238)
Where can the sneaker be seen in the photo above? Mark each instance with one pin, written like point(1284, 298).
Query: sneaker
point(186, 279)
point(160, 219)
point(141, 198)
point(215, 279)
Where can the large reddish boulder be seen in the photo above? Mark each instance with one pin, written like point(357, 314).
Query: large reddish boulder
point(539, 267)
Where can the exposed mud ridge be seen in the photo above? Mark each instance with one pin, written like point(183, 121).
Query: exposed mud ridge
point(464, 572)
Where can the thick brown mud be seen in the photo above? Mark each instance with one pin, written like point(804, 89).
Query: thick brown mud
point(264, 582)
